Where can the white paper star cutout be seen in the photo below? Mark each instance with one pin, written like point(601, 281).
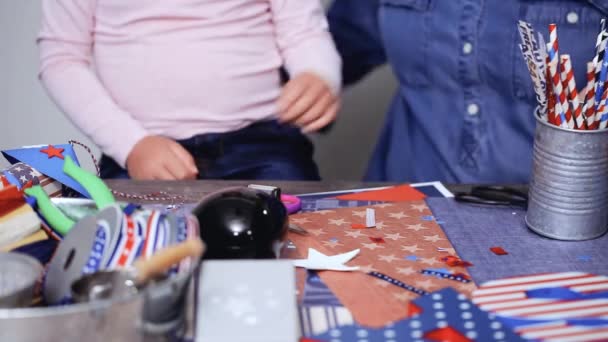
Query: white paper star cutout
point(394, 237)
point(411, 249)
point(432, 238)
point(419, 207)
point(337, 222)
point(300, 220)
point(331, 243)
point(319, 261)
point(398, 215)
point(406, 270)
point(372, 246)
point(18, 168)
point(316, 232)
point(360, 213)
point(387, 258)
point(354, 233)
point(416, 227)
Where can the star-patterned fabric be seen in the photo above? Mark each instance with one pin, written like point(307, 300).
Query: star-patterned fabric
point(403, 243)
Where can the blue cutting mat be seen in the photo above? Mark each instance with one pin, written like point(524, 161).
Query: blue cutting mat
point(474, 229)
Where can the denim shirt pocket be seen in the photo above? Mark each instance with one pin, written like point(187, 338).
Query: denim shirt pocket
point(578, 24)
point(405, 26)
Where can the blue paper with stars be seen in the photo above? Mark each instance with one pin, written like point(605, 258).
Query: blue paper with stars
point(442, 310)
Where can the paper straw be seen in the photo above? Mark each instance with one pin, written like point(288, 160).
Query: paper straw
point(552, 115)
point(569, 87)
point(561, 101)
point(569, 83)
point(600, 51)
point(602, 110)
point(589, 107)
point(535, 62)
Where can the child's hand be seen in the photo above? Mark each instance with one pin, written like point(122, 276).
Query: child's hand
point(159, 158)
point(308, 102)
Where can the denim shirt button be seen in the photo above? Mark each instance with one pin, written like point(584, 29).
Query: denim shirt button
point(467, 48)
point(473, 109)
point(572, 17)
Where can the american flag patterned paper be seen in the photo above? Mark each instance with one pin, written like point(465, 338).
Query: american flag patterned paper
point(24, 175)
point(568, 306)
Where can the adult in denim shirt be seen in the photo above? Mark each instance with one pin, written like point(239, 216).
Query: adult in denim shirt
point(463, 110)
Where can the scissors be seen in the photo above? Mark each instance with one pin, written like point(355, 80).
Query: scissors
point(494, 195)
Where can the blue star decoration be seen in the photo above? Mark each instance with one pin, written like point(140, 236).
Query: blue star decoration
point(48, 160)
point(439, 315)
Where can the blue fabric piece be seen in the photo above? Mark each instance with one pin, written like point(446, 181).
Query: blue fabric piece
point(440, 309)
point(463, 110)
point(474, 229)
point(262, 151)
point(52, 167)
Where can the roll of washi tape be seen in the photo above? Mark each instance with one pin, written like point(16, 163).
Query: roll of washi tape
point(292, 203)
point(71, 258)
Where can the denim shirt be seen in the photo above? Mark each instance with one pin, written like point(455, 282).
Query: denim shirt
point(463, 112)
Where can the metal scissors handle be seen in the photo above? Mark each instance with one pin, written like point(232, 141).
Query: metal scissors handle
point(494, 195)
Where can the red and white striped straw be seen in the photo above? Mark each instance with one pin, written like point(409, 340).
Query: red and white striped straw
point(569, 83)
point(551, 103)
point(589, 107)
point(558, 90)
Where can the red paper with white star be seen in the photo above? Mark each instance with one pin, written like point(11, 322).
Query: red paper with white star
point(407, 242)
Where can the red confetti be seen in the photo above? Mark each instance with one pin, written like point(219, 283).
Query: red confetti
point(498, 251)
point(447, 334)
point(453, 261)
point(377, 239)
point(53, 151)
point(357, 226)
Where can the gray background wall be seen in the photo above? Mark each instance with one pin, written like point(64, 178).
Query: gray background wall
point(29, 117)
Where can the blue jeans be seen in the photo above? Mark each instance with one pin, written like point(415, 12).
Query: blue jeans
point(262, 151)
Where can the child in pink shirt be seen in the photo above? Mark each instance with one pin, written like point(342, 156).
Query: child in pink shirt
point(192, 88)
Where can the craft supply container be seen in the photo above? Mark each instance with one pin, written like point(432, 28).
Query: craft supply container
point(151, 315)
point(568, 196)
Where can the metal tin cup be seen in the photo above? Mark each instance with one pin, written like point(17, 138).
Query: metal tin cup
point(568, 196)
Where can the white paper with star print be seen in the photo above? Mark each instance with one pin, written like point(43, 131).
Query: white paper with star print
point(247, 300)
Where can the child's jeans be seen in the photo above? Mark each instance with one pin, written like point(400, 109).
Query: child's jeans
point(263, 151)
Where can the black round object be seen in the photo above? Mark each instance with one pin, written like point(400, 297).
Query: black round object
point(241, 223)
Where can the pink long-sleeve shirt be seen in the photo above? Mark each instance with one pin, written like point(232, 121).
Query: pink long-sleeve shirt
point(124, 69)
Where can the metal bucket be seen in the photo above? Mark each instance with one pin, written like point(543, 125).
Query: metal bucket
point(568, 196)
point(155, 314)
